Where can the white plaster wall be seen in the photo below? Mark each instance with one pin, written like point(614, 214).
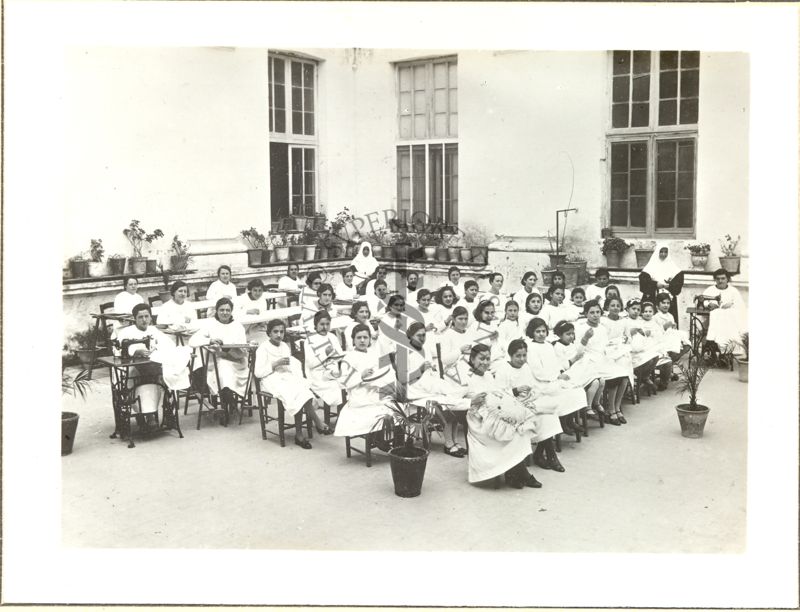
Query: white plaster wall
point(173, 137)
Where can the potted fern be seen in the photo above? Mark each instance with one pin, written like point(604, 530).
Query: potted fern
point(729, 259)
point(77, 384)
point(408, 461)
point(692, 416)
point(96, 265)
point(744, 362)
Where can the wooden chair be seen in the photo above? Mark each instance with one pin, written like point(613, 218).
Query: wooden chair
point(271, 302)
point(264, 399)
point(240, 402)
point(155, 301)
point(101, 339)
point(326, 411)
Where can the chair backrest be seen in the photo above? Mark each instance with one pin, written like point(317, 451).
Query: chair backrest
point(155, 301)
point(241, 290)
point(439, 359)
point(271, 287)
point(106, 306)
point(200, 295)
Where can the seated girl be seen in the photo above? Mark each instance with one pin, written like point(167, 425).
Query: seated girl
point(655, 333)
point(126, 299)
point(470, 300)
point(676, 342)
point(644, 353)
point(377, 300)
point(556, 310)
point(532, 309)
point(291, 281)
point(604, 357)
point(528, 287)
point(222, 287)
point(322, 352)
point(500, 425)
point(446, 299)
point(567, 396)
point(456, 341)
point(423, 384)
point(597, 290)
point(484, 330)
point(379, 275)
point(577, 370)
point(360, 314)
point(559, 280)
point(434, 322)
point(412, 280)
point(578, 298)
point(346, 290)
point(369, 386)
point(392, 325)
point(252, 303)
point(611, 291)
point(509, 328)
point(178, 314)
point(281, 375)
point(453, 280)
point(364, 263)
point(495, 293)
point(231, 363)
point(325, 297)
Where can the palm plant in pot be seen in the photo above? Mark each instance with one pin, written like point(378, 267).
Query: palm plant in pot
point(75, 384)
point(613, 248)
point(138, 237)
point(405, 426)
point(692, 416)
point(257, 243)
point(96, 252)
point(744, 362)
point(699, 253)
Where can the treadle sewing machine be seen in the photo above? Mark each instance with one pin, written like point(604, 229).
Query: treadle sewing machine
point(698, 320)
point(125, 344)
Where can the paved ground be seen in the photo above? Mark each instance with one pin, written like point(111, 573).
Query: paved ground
point(636, 488)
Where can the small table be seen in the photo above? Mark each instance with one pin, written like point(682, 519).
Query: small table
point(122, 398)
point(101, 321)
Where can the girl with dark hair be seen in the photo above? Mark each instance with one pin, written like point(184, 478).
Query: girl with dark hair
point(346, 290)
point(528, 287)
point(676, 342)
point(433, 322)
point(377, 299)
point(499, 426)
point(485, 329)
point(392, 325)
point(644, 352)
point(252, 303)
point(655, 334)
point(379, 275)
point(325, 297)
point(578, 370)
point(281, 375)
point(551, 383)
point(129, 297)
point(222, 287)
point(578, 299)
point(556, 310)
point(510, 328)
point(322, 352)
point(360, 314)
point(559, 280)
point(453, 280)
point(495, 293)
point(446, 298)
point(470, 295)
point(369, 387)
point(231, 362)
point(603, 356)
point(456, 341)
point(178, 314)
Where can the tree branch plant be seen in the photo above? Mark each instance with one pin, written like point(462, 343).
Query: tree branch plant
point(138, 236)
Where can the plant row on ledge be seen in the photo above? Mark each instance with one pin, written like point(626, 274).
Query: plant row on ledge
point(613, 247)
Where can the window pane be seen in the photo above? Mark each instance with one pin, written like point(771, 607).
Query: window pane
point(440, 100)
point(280, 97)
point(440, 124)
point(453, 100)
point(685, 213)
point(405, 78)
point(686, 155)
point(297, 98)
point(619, 115)
point(297, 180)
point(639, 155)
point(436, 182)
point(405, 127)
point(440, 75)
point(280, 120)
point(619, 157)
point(309, 124)
point(453, 124)
point(641, 62)
point(690, 59)
point(669, 60)
point(278, 67)
point(640, 117)
point(296, 74)
point(668, 112)
point(641, 88)
point(620, 89)
point(619, 186)
point(665, 187)
point(420, 126)
point(308, 76)
point(451, 186)
point(665, 215)
point(638, 211)
point(308, 100)
point(297, 122)
point(419, 77)
point(690, 83)
point(668, 84)
point(622, 62)
point(638, 182)
point(666, 156)
point(689, 111)
point(418, 178)
point(308, 159)
point(452, 68)
point(685, 185)
point(619, 213)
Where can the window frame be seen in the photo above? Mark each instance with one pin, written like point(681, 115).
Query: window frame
point(652, 134)
point(430, 123)
point(445, 188)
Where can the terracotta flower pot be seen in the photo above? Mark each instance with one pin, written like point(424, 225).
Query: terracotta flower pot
point(699, 261)
point(731, 264)
point(178, 263)
point(79, 268)
point(97, 268)
point(613, 259)
point(69, 426)
point(480, 254)
point(744, 366)
point(408, 470)
point(442, 254)
point(547, 277)
point(319, 222)
point(266, 255)
point(430, 253)
point(297, 252)
point(254, 257)
point(151, 267)
point(401, 252)
point(311, 250)
point(377, 250)
point(692, 422)
point(282, 253)
point(453, 253)
point(642, 257)
point(116, 265)
point(466, 254)
point(557, 260)
point(299, 223)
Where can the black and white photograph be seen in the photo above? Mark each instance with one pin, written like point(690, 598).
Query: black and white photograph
point(351, 313)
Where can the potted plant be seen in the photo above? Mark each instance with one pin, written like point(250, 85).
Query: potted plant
point(77, 384)
point(165, 294)
point(309, 240)
point(729, 259)
point(280, 242)
point(644, 251)
point(257, 243)
point(613, 248)
point(557, 257)
point(319, 222)
point(81, 344)
point(428, 241)
point(574, 269)
point(78, 266)
point(744, 362)
point(401, 242)
point(407, 460)
point(116, 264)
point(137, 236)
point(478, 239)
point(179, 260)
point(96, 252)
point(454, 244)
point(692, 416)
point(699, 253)
point(378, 238)
point(297, 251)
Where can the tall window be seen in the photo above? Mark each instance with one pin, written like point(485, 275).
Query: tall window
point(652, 142)
point(427, 149)
point(293, 136)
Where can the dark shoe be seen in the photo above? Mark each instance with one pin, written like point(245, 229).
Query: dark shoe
point(324, 431)
point(621, 418)
point(611, 419)
point(555, 464)
point(455, 451)
point(513, 481)
point(541, 462)
point(533, 483)
point(302, 443)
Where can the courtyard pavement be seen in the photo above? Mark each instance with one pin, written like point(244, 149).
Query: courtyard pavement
point(640, 487)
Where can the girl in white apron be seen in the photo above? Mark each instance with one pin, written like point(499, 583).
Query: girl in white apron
point(322, 352)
